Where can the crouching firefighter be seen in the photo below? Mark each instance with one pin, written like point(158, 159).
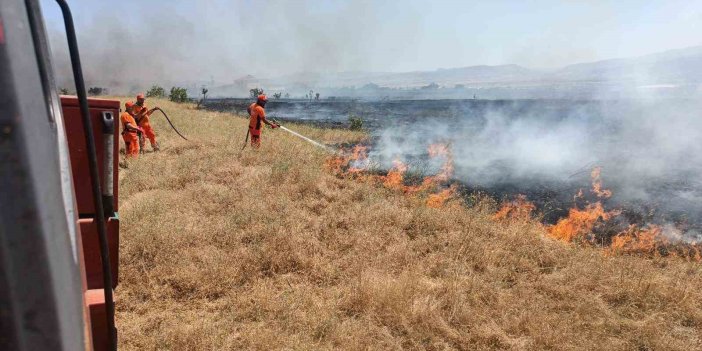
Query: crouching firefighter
point(129, 131)
point(141, 115)
point(257, 117)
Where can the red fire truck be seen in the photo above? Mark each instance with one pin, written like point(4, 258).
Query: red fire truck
point(59, 219)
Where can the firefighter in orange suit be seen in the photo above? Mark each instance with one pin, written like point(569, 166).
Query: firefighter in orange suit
point(257, 117)
point(141, 115)
point(129, 131)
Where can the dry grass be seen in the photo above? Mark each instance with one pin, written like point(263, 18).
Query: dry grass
point(224, 250)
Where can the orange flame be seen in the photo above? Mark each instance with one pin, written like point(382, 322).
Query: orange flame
point(579, 222)
point(359, 159)
point(438, 200)
point(638, 240)
point(651, 241)
point(597, 184)
point(437, 150)
point(396, 176)
point(520, 209)
point(357, 162)
point(336, 164)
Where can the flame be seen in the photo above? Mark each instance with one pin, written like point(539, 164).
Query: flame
point(359, 161)
point(648, 240)
point(441, 150)
point(395, 179)
point(638, 240)
point(336, 164)
point(396, 176)
point(580, 222)
point(652, 240)
point(438, 200)
point(438, 149)
point(597, 184)
point(520, 209)
point(355, 163)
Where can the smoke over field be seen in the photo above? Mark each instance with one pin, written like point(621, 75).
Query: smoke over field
point(366, 48)
point(531, 141)
point(129, 45)
point(648, 151)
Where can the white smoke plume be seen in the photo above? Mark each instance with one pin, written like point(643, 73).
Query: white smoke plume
point(129, 45)
point(649, 150)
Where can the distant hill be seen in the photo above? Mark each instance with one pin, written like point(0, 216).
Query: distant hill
point(443, 77)
point(673, 73)
point(463, 75)
point(669, 67)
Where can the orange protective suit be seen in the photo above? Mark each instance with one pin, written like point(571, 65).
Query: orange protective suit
point(142, 113)
point(131, 140)
point(257, 116)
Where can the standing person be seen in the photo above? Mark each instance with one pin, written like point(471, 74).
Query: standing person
point(257, 117)
point(141, 114)
point(130, 128)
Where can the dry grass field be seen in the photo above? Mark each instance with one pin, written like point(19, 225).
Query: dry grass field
point(223, 249)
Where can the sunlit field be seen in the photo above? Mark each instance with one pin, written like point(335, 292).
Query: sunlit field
point(226, 249)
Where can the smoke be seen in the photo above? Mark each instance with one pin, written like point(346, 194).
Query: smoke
point(649, 150)
point(130, 45)
point(123, 59)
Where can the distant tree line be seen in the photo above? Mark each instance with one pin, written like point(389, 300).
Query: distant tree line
point(255, 92)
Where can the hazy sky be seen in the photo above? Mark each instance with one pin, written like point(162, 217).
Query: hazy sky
point(230, 38)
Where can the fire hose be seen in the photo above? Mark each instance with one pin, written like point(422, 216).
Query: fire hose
point(171, 123)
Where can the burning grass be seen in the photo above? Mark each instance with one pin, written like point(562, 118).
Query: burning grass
point(518, 209)
point(224, 250)
point(578, 226)
point(434, 189)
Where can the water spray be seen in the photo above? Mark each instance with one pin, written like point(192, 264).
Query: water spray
point(313, 142)
point(309, 140)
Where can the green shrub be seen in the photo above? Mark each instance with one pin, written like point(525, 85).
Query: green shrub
point(156, 91)
point(178, 94)
point(94, 91)
point(355, 122)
